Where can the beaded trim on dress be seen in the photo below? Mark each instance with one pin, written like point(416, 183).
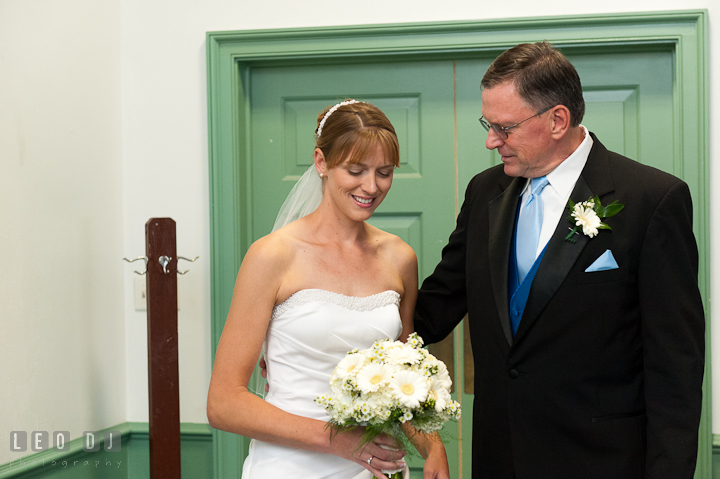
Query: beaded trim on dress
point(367, 303)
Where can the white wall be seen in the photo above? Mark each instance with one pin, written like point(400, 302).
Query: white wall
point(62, 346)
point(102, 126)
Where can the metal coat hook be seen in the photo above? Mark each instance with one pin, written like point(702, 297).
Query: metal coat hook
point(186, 259)
point(144, 258)
point(164, 261)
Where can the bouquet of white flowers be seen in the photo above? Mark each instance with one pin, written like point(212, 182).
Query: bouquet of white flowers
point(387, 385)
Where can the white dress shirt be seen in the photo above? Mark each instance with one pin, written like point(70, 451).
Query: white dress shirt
point(555, 195)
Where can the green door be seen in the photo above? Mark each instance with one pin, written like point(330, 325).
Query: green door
point(435, 106)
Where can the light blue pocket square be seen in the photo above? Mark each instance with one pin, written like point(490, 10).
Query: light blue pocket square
point(605, 261)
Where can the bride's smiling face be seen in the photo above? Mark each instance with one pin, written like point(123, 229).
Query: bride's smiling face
point(357, 189)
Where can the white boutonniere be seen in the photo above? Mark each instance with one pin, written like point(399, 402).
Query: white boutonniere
point(588, 215)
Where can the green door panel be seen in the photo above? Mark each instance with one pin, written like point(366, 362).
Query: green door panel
point(629, 105)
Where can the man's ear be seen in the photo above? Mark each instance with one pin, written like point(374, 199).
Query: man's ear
point(560, 121)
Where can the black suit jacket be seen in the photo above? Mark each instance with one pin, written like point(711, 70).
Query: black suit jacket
point(603, 379)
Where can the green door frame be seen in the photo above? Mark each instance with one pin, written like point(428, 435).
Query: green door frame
point(231, 56)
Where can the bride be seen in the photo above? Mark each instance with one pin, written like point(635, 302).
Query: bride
point(315, 289)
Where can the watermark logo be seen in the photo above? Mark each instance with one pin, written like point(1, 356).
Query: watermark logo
point(92, 441)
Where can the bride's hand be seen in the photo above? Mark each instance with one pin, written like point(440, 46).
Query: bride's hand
point(430, 447)
point(436, 464)
point(263, 371)
point(373, 456)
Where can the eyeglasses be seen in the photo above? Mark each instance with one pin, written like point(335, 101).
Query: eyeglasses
point(503, 131)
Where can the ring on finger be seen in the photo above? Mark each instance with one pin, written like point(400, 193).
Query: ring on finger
point(370, 460)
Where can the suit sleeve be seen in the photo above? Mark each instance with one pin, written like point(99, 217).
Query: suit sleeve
point(442, 299)
point(673, 329)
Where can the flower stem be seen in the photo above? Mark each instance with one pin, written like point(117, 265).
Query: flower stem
point(570, 235)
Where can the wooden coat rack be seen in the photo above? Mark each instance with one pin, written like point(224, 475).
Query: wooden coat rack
point(162, 335)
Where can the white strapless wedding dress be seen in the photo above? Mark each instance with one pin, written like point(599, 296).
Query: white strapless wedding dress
point(308, 335)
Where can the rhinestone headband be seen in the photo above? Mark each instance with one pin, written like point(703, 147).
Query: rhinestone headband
point(331, 111)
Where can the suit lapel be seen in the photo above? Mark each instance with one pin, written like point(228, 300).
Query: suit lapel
point(561, 255)
point(501, 213)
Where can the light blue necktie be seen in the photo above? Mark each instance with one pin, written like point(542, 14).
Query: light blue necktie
point(528, 228)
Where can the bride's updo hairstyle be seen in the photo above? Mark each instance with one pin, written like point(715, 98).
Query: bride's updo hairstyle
point(352, 130)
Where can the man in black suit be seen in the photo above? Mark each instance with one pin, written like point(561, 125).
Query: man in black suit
point(589, 353)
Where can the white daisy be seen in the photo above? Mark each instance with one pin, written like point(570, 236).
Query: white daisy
point(444, 376)
point(372, 376)
point(404, 355)
point(407, 415)
point(438, 392)
point(347, 367)
point(410, 388)
point(415, 340)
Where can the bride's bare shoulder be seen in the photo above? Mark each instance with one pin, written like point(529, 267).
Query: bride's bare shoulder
point(393, 246)
point(279, 246)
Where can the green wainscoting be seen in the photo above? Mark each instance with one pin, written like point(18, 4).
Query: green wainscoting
point(131, 462)
point(134, 457)
point(716, 456)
